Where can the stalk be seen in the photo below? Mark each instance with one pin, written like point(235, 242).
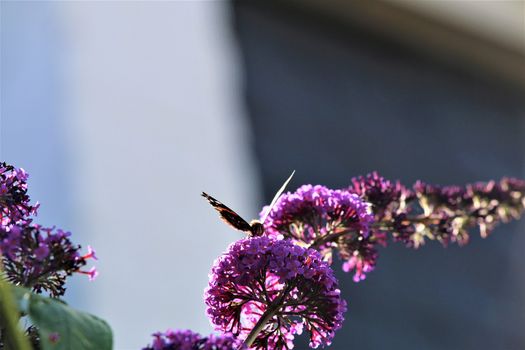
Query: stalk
point(268, 314)
point(11, 333)
point(327, 238)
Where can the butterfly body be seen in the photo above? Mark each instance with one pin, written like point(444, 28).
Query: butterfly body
point(257, 228)
point(254, 228)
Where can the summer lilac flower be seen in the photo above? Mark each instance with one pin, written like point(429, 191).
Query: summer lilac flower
point(40, 258)
point(388, 203)
point(443, 213)
point(378, 191)
point(275, 285)
point(188, 340)
point(325, 219)
point(313, 211)
point(14, 201)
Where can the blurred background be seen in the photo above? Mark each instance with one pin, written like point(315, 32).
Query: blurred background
point(122, 112)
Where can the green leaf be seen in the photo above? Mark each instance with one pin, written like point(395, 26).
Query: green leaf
point(61, 327)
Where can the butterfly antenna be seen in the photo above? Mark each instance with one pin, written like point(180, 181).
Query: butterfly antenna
point(276, 197)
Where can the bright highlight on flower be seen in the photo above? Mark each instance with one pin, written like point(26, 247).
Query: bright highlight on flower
point(277, 288)
point(188, 340)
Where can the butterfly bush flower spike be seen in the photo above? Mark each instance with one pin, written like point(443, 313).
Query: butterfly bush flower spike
point(276, 288)
point(444, 213)
point(451, 212)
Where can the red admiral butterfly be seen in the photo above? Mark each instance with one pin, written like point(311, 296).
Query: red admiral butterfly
point(255, 227)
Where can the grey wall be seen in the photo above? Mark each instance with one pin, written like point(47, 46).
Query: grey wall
point(333, 103)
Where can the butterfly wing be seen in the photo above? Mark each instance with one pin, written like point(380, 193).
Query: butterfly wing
point(276, 197)
point(227, 215)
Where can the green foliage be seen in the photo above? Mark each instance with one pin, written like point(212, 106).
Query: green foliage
point(61, 327)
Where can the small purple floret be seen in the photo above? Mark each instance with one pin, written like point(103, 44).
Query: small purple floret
point(41, 252)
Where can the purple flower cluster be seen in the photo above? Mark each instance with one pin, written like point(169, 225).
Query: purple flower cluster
point(41, 258)
point(188, 340)
point(386, 197)
point(14, 201)
point(314, 211)
point(33, 256)
point(277, 287)
point(388, 200)
point(325, 219)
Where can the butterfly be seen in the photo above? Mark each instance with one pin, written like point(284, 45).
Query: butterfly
point(254, 227)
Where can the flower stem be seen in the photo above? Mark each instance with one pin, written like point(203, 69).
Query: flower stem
point(11, 334)
point(266, 316)
point(327, 238)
